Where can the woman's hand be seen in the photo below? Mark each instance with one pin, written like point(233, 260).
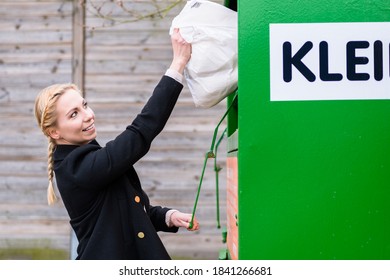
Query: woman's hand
point(179, 219)
point(181, 51)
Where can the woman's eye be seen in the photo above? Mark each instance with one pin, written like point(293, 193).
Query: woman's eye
point(74, 114)
point(85, 105)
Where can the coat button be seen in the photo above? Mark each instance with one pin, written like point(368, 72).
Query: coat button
point(141, 234)
point(137, 199)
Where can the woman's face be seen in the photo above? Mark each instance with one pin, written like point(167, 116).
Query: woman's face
point(75, 120)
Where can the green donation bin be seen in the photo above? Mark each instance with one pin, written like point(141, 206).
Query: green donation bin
point(308, 166)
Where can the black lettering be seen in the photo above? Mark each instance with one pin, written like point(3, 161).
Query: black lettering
point(378, 60)
point(296, 60)
point(324, 65)
point(353, 60)
point(125, 271)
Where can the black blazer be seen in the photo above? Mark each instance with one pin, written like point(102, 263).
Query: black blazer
point(108, 210)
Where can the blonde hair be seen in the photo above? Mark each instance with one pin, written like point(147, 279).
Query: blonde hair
point(45, 113)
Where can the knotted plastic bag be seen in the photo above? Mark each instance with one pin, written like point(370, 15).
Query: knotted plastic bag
point(211, 28)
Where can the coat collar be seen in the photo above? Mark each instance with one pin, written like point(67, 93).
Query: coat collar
point(61, 151)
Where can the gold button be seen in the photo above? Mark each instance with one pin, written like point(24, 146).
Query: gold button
point(137, 199)
point(141, 234)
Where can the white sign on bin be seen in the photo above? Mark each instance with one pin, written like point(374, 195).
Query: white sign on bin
point(330, 61)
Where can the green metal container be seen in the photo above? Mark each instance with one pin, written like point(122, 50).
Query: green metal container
point(309, 161)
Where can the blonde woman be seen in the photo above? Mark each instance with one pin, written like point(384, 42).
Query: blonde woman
point(109, 212)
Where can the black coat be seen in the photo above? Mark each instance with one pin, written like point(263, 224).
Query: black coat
point(108, 210)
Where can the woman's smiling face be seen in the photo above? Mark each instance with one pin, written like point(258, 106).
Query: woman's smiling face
point(75, 120)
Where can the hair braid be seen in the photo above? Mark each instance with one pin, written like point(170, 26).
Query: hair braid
point(51, 196)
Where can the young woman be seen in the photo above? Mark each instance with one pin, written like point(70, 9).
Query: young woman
point(109, 212)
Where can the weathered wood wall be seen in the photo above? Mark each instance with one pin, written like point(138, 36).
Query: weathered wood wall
point(35, 50)
point(122, 65)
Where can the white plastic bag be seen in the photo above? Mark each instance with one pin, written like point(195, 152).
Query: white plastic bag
point(211, 28)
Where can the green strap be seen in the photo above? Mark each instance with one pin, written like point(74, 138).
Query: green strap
point(209, 154)
point(197, 194)
point(218, 168)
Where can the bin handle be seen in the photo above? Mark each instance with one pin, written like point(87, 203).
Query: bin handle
point(209, 154)
point(218, 168)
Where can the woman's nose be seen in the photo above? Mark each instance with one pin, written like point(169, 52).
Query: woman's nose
point(88, 114)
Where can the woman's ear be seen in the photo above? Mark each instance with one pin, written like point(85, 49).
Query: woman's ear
point(54, 133)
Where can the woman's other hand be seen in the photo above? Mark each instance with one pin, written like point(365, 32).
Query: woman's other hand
point(180, 219)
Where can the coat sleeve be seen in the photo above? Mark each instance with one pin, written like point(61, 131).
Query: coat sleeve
point(157, 216)
point(96, 168)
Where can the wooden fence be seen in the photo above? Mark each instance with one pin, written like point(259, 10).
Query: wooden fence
point(44, 42)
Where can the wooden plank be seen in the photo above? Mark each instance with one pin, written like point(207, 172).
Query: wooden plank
point(181, 245)
point(129, 52)
point(126, 66)
point(33, 1)
point(58, 241)
point(35, 228)
point(34, 9)
point(52, 23)
point(39, 48)
point(96, 24)
point(140, 11)
point(35, 37)
point(108, 38)
point(48, 66)
point(30, 211)
point(31, 57)
point(78, 59)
